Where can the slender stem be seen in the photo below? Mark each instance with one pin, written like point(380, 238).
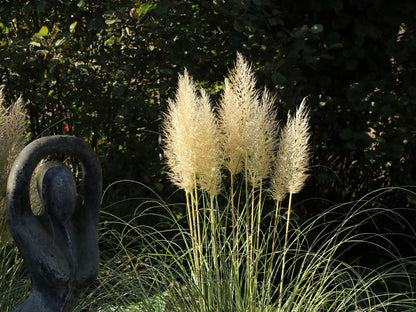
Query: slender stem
point(248, 236)
point(198, 223)
point(232, 209)
point(235, 247)
point(193, 238)
point(214, 240)
point(252, 276)
point(253, 204)
point(272, 255)
point(260, 206)
point(276, 216)
point(284, 253)
point(200, 247)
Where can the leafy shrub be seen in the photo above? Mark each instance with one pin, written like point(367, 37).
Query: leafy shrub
point(104, 71)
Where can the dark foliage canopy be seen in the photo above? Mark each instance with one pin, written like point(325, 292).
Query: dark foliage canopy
point(103, 70)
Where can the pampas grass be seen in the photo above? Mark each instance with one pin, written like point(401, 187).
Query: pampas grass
point(250, 268)
point(144, 270)
point(180, 129)
point(194, 156)
point(290, 169)
point(12, 141)
point(240, 117)
point(245, 141)
point(13, 281)
point(12, 136)
point(248, 123)
point(293, 154)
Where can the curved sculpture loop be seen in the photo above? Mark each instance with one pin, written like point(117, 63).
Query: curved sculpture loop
point(59, 246)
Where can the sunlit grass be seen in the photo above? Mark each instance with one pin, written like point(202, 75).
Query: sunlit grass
point(148, 270)
point(144, 268)
point(12, 141)
point(14, 282)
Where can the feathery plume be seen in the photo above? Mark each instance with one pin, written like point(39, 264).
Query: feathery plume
point(191, 139)
point(12, 136)
point(236, 110)
point(12, 141)
point(241, 115)
point(293, 155)
point(179, 130)
point(209, 153)
point(263, 139)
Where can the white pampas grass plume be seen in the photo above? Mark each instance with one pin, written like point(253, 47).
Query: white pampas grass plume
point(179, 129)
point(292, 158)
point(262, 142)
point(191, 139)
point(235, 112)
point(245, 122)
point(209, 152)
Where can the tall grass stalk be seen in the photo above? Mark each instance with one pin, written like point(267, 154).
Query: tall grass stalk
point(290, 169)
point(194, 157)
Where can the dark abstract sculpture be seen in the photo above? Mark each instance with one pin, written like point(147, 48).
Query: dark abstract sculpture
point(59, 246)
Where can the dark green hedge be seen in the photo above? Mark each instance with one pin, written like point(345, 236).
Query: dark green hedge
point(104, 69)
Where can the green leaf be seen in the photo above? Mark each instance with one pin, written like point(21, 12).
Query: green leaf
point(43, 32)
point(59, 42)
point(42, 52)
point(317, 28)
point(145, 7)
point(112, 21)
point(141, 10)
point(81, 4)
point(35, 44)
point(72, 26)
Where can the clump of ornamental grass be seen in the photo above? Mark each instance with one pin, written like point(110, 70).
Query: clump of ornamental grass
point(243, 140)
point(248, 124)
point(222, 260)
point(235, 264)
point(12, 141)
point(145, 269)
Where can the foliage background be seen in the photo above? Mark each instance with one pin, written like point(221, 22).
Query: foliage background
point(103, 70)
